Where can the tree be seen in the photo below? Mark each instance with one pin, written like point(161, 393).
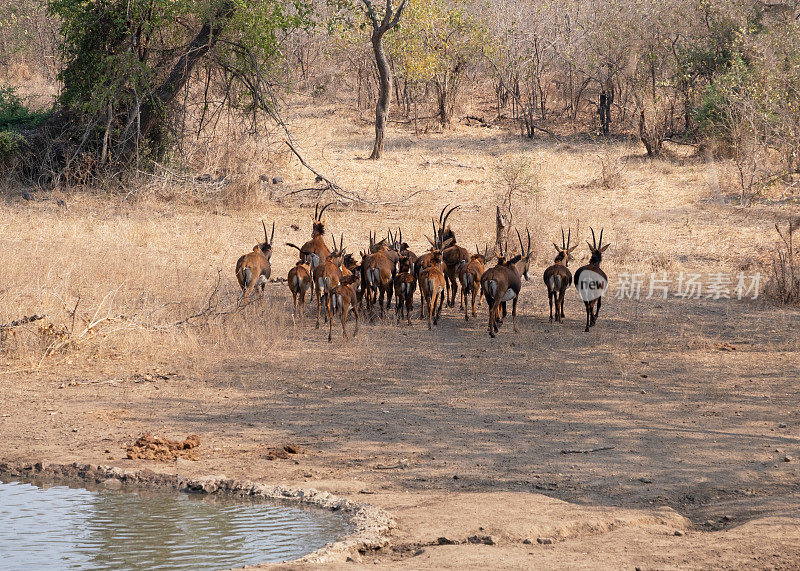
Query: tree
point(127, 61)
point(436, 44)
point(380, 25)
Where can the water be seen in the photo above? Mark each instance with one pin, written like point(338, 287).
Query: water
point(74, 528)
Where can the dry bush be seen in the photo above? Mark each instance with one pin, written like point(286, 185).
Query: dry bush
point(784, 279)
point(613, 161)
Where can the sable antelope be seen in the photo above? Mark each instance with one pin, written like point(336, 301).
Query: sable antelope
point(427, 259)
point(315, 252)
point(299, 281)
point(327, 276)
point(469, 275)
point(405, 284)
point(558, 278)
point(591, 281)
point(377, 271)
point(442, 230)
point(503, 283)
point(254, 268)
point(343, 298)
point(432, 285)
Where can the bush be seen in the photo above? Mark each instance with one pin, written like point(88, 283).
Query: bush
point(13, 112)
point(784, 283)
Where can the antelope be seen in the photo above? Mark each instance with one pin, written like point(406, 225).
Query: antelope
point(327, 276)
point(503, 283)
point(469, 275)
point(377, 272)
point(427, 259)
point(595, 281)
point(343, 298)
point(443, 231)
point(452, 256)
point(432, 285)
point(558, 278)
point(299, 281)
point(254, 268)
point(405, 284)
point(315, 252)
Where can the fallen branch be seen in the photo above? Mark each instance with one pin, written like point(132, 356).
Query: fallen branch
point(587, 451)
point(21, 321)
point(341, 193)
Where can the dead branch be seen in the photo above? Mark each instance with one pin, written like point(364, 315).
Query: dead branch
point(21, 321)
point(343, 194)
point(587, 451)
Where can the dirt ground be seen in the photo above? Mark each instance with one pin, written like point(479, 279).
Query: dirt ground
point(667, 437)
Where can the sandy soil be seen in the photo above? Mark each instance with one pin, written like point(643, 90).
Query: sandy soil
point(668, 437)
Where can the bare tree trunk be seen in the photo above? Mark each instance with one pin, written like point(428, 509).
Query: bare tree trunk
point(384, 93)
point(379, 27)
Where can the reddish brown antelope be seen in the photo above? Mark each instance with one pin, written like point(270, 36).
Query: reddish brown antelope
point(558, 278)
point(377, 271)
point(432, 286)
point(299, 281)
point(343, 298)
point(503, 283)
point(405, 284)
point(254, 268)
point(469, 275)
point(327, 276)
point(591, 281)
point(315, 252)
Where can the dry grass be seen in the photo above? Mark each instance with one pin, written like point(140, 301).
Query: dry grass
point(147, 259)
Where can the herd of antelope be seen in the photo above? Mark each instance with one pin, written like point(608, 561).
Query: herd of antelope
point(388, 268)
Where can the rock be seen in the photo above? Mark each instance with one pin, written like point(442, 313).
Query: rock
point(112, 484)
point(482, 539)
point(446, 541)
point(646, 480)
point(787, 458)
point(545, 540)
point(679, 533)
point(527, 542)
point(277, 180)
point(418, 552)
point(782, 425)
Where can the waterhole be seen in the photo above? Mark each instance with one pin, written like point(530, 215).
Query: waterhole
point(56, 526)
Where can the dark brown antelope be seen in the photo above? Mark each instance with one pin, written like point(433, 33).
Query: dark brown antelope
point(343, 298)
point(504, 282)
point(469, 275)
point(299, 281)
point(432, 285)
point(377, 272)
point(558, 278)
point(327, 276)
point(405, 284)
point(591, 281)
point(254, 268)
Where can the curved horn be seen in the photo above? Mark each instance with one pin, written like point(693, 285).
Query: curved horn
point(521, 245)
point(593, 240)
point(528, 230)
point(293, 246)
point(316, 211)
point(569, 236)
point(563, 244)
point(265, 232)
point(601, 239)
point(271, 236)
point(321, 212)
point(444, 223)
point(334, 242)
point(441, 214)
point(341, 242)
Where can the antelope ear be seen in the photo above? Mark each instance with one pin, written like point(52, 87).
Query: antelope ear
point(556, 247)
point(603, 249)
point(431, 241)
point(447, 243)
point(575, 246)
point(591, 248)
point(257, 247)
